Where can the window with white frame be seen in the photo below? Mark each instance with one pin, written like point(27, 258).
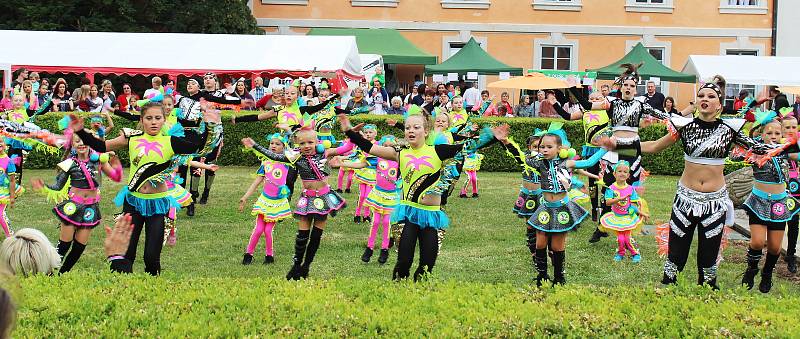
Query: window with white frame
point(557, 5)
point(658, 53)
point(556, 57)
point(285, 2)
point(732, 92)
point(743, 7)
point(750, 52)
point(468, 4)
point(651, 6)
point(374, 3)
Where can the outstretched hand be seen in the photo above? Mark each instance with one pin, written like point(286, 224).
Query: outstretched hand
point(75, 122)
point(501, 132)
point(391, 122)
point(37, 184)
point(117, 240)
point(248, 142)
point(609, 143)
point(344, 122)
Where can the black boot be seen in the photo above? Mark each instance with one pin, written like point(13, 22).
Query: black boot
point(72, 258)
point(540, 259)
point(63, 247)
point(268, 259)
point(311, 252)
point(368, 220)
point(367, 255)
point(791, 264)
point(558, 268)
point(339, 191)
point(190, 208)
point(347, 190)
point(597, 235)
point(530, 235)
point(766, 273)
point(247, 259)
point(204, 197)
point(384, 256)
point(753, 257)
point(300, 245)
point(357, 219)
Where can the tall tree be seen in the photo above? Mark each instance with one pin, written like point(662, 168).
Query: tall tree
point(180, 16)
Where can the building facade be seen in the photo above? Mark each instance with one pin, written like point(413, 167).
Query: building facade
point(547, 34)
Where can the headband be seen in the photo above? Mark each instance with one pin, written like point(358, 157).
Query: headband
point(370, 127)
point(96, 118)
point(621, 162)
point(556, 130)
point(193, 81)
point(387, 138)
point(210, 74)
point(713, 86)
point(278, 136)
point(763, 118)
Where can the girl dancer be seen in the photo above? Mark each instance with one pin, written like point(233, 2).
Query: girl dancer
point(419, 208)
point(769, 207)
point(556, 214)
point(789, 124)
point(9, 190)
point(381, 201)
point(702, 200)
point(595, 124)
point(624, 218)
point(271, 205)
point(472, 163)
point(530, 192)
point(625, 114)
point(79, 209)
point(20, 115)
point(365, 175)
point(146, 197)
point(317, 200)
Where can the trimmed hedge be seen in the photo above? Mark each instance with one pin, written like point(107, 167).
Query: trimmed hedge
point(668, 162)
point(100, 304)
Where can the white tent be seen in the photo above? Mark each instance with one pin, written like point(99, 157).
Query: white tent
point(750, 70)
point(6, 69)
point(179, 53)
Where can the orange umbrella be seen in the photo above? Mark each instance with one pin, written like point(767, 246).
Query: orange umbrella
point(530, 81)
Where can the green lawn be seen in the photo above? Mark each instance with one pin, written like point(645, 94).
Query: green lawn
point(485, 242)
point(484, 245)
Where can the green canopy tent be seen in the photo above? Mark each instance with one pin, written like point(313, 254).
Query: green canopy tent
point(389, 43)
point(472, 58)
point(650, 68)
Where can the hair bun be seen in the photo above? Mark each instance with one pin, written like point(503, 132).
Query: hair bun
point(719, 81)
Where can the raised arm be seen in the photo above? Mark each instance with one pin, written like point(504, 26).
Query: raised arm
point(388, 153)
point(226, 100)
point(586, 163)
point(651, 147)
point(654, 112)
point(279, 157)
point(99, 145)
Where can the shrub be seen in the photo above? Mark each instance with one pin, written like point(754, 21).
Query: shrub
point(100, 304)
point(667, 162)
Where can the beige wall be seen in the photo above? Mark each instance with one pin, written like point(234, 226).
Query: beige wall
point(687, 13)
point(600, 40)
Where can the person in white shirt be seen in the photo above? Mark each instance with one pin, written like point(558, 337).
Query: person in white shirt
point(258, 90)
point(156, 82)
point(472, 97)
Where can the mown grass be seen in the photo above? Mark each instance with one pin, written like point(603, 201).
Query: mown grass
point(484, 249)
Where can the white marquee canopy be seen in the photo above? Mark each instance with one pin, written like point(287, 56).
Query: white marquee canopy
point(750, 70)
point(180, 53)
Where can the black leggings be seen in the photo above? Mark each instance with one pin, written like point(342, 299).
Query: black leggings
point(428, 251)
point(791, 234)
point(153, 238)
point(291, 178)
point(592, 188)
point(710, 228)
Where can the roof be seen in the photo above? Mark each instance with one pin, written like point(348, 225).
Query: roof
point(389, 43)
point(739, 69)
point(179, 53)
point(650, 68)
point(472, 58)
